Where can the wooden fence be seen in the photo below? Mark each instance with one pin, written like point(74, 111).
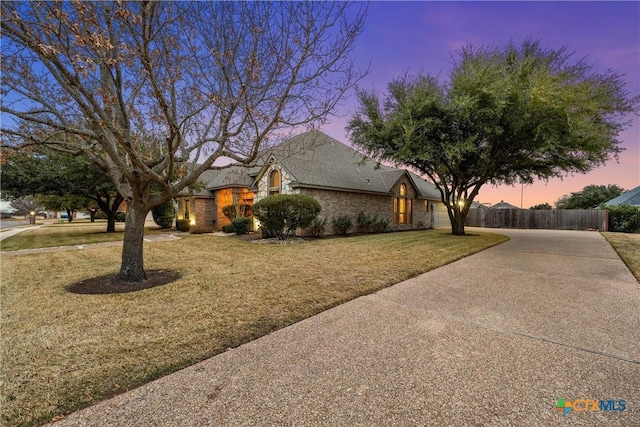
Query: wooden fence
point(557, 219)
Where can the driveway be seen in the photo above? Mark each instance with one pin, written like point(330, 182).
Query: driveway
point(493, 339)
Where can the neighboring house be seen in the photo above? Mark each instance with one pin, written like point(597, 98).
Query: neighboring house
point(503, 205)
point(478, 205)
point(631, 197)
point(341, 179)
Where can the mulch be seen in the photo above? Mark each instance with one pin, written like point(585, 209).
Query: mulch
point(110, 285)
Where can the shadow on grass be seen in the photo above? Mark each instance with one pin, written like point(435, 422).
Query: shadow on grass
point(109, 285)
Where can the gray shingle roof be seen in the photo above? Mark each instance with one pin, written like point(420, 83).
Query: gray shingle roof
point(631, 197)
point(317, 160)
point(314, 159)
point(503, 205)
point(234, 176)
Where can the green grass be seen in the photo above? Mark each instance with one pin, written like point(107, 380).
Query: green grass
point(63, 351)
point(628, 247)
point(66, 234)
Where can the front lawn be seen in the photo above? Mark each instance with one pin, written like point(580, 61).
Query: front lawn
point(66, 234)
point(63, 351)
point(628, 247)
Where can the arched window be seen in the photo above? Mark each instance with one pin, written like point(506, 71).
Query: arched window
point(402, 207)
point(274, 182)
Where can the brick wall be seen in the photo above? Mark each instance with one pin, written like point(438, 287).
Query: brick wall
point(199, 210)
point(337, 203)
point(205, 214)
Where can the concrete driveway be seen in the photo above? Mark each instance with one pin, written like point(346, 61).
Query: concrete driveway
point(494, 339)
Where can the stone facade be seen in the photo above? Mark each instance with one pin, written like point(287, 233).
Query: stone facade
point(285, 183)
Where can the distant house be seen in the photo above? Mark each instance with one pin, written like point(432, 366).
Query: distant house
point(6, 211)
point(341, 179)
point(503, 205)
point(631, 197)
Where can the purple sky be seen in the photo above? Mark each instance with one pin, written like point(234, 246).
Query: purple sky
point(419, 37)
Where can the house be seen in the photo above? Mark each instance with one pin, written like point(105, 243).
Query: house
point(203, 208)
point(340, 178)
point(631, 197)
point(503, 205)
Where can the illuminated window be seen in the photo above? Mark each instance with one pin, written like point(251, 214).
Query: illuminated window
point(274, 182)
point(402, 207)
point(186, 209)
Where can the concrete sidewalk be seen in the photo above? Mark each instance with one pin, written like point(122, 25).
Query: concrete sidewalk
point(493, 339)
point(8, 232)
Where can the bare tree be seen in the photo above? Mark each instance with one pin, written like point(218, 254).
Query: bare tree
point(155, 92)
point(26, 204)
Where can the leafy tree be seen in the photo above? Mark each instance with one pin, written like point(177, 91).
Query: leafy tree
point(542, 206)
point(590, 197)
point(155, 92)
point(506, 115)
point(62, 182)
point(68, 203)
point(282, 214)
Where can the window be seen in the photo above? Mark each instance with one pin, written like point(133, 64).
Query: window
point(186, 209)
point(402, 207)
point(274, 182)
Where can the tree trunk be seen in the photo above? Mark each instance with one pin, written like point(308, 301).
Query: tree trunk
point(457, 224)
point(93, 213)
point(111, 220)
point(110, 208)
point(132, 269)
point(69, 215)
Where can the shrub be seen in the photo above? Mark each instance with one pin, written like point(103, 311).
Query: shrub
point(238, 210)
point(100, 215)
point(282, 214)
point(382, 225)
point(120, 217)
point(229, 228)
point(242, 225)
point(183, 225)
point(365, 222)
point(317, 226)
point(198, 230)
point(342, 224)
point(624, 218)
point(163, 214)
